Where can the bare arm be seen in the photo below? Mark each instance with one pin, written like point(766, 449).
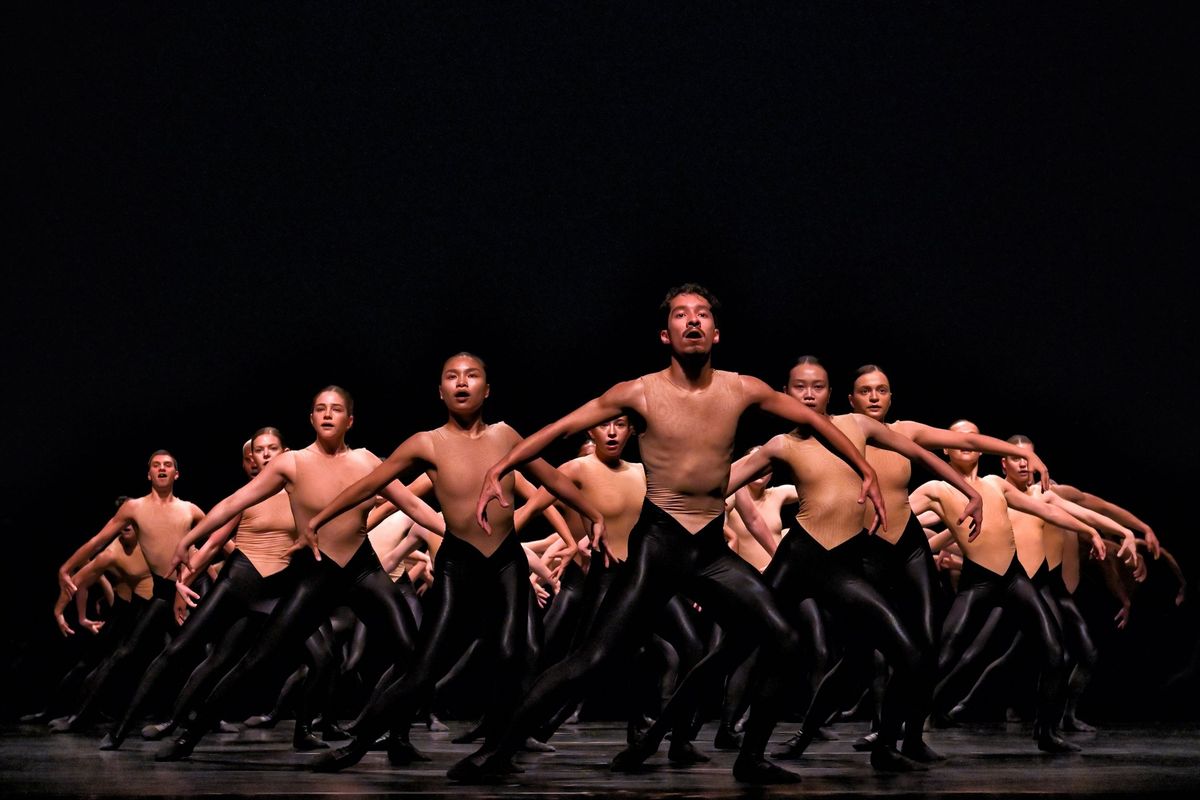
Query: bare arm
point(566, 490)
point(940, 438)
point(94, 545)
point(1128, 549)
point(885, 437)
point(614, 402)
point(750, 466)
point(1112, 510)
point(789, 408)
point(1056, 516)
point(753, 520)
point(411, 452)
point(529, 492)
point(268, 483)
point(82, 579)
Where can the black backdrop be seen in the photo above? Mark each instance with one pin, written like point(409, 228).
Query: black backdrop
point(219, 210)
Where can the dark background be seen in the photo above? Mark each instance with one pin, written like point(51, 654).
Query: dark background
point(218, 211)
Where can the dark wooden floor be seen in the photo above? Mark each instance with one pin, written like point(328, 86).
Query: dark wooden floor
point(984, 761)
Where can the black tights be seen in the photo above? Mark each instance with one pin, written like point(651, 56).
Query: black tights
point(229, 600)
point(145, 638)
point(563, 615)
point(673, 632)
point(472, 594)
point(904, 572)
point(979, 591)
point(836, 579)
point(320, 587)
point(665, 560)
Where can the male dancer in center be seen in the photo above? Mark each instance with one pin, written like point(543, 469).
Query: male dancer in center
point(690, 413)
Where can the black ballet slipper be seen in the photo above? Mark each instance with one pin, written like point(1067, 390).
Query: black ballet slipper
point(921, 752)
point(401, 753)
point(725, 739)
point(633, 758)
point(179, 748)
point(340, 759)
point(685, 754)
point(1049, 741)
point(885, 758)
point(760, 772)
point(476, 769)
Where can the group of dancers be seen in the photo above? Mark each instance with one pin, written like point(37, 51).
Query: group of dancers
point(819, 570)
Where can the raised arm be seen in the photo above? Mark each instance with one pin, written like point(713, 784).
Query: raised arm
point(1055, 516)
point(266, 484)
point(1128, 550)
point(530, 492)
point(940, 438)
point(1111, 510)
point(412, 451)
point(885, 437)
point(750, 466)
point(789, 408)
point(94, 546)
point(617, 400)
point(566, 490)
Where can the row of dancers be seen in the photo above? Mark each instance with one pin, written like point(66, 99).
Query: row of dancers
point(814, 526)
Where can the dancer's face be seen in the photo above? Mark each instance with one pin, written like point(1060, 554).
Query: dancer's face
point(809, 384)
point(691, 328)
point(1017, 467)
point(163, 472)
point(611, 437)
point(266, 447)
point(872, 395)
point(964, 458)
point(329, 417)
point(464, 385)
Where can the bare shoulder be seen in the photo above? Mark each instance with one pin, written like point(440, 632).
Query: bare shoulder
point(776, 444)
point(365, 456)
point(504, 432)
point(931, 488)
point(755, 388)
point(905, 426)
point(629, 394)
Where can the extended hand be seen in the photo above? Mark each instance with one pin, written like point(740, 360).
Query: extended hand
point(870, 489)
point(598, 544)
point(66, 584)
point(307, 538)
point(491, 491)
point(974, 510)
point(1038, 466)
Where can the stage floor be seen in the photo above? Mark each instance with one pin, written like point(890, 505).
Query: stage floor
point(983, 761)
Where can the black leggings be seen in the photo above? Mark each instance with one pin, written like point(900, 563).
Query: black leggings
point(1080, 650)
point(837, 580)
point(673, 631)
point(320, 586)
point(238, 586)
point(146, 637)
point(979, 591)
point(905, 572)
point(473, 595)
point(562, 617)
point(665, 560)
